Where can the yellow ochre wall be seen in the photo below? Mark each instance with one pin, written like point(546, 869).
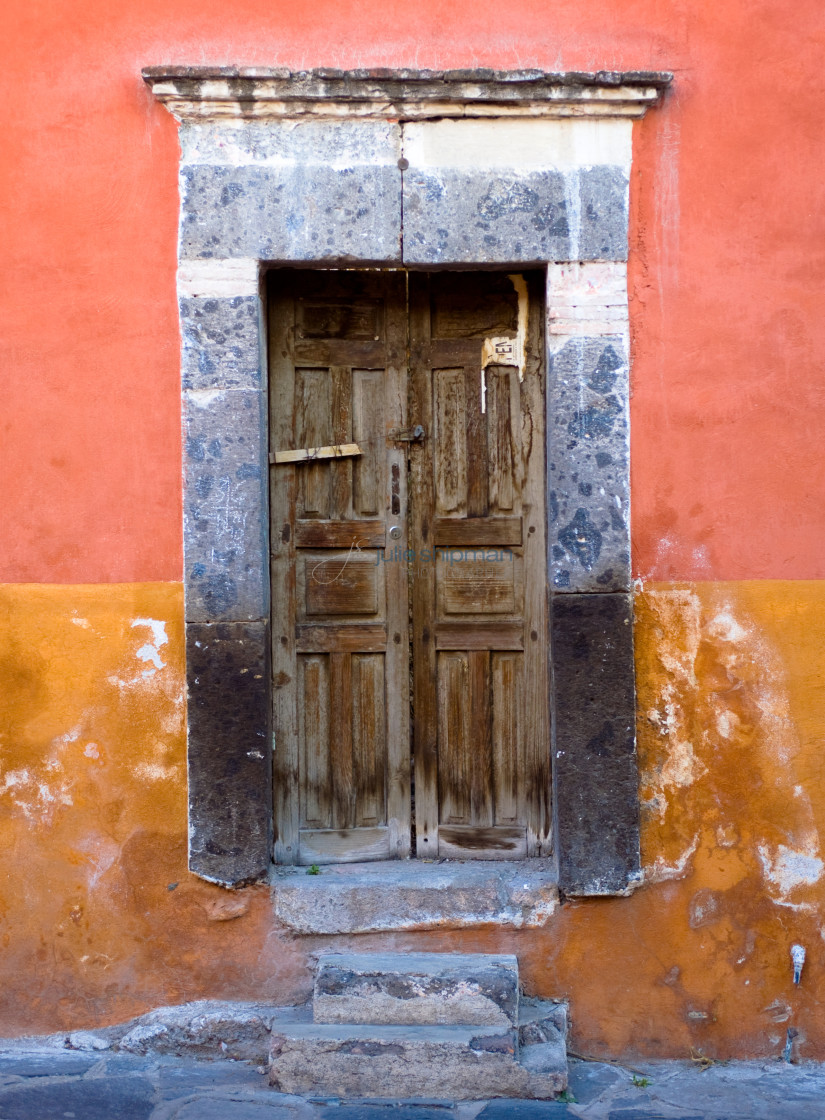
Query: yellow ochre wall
point(100, 919)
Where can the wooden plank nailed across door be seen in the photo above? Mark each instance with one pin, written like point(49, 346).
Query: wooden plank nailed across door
point(375, 588)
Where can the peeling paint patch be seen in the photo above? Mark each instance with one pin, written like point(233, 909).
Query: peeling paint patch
point(158, 628)
point(787, 869)
point(682, 767)
point(660, 871)
point(154, 772)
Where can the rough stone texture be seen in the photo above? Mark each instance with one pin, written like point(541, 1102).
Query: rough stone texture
point(595, 781)
point(320, 190)
point(210, 1029)
point(588, 475)
point(46, 1064)
point(453, 216)
point(342, 144)
point(541, 1011)
point(406, 895)
point(603, 209)
point(194, 91)
point(398, 988)
point(221, 343)
point(124, 1087)
point(225, 516)
point(229, 764)
point(462, 1063)
point(116, 1098)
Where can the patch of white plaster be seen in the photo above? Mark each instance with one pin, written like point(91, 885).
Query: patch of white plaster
point(787, 869)
point(150, 651)
point(725, 628)
point(204, 398)
point(36, 800)
point(682, 768)
point(660, 871)
point(154, 772)
point(91, 750)
point(158, 628)
point(84, 622)
point(726, 723)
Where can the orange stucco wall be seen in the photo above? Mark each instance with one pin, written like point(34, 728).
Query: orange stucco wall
point(728, 421)
point(728, 261)
point(100, 920)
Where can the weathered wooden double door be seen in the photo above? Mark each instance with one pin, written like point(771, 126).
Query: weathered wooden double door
point(409, 590)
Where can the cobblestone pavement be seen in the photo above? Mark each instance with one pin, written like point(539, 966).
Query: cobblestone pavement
point(79, 1085)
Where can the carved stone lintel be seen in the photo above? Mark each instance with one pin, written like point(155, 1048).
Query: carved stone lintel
point(192, 92)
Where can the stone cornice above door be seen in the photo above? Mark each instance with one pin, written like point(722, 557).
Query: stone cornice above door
point(252, 93)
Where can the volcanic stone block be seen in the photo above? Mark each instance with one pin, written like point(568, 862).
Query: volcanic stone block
point(305, 203)
point(595, 780)
point(588, 466)
point(603, 206)
point(225, 507)
point(457, 1063)
point(230, 783)
point(340, 142)
point(221, 343)
point(396, 988)
point(467, 215)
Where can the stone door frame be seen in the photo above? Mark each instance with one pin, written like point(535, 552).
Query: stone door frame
point(415, 169)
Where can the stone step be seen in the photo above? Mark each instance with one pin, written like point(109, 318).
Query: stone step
point(417, 988)
point(452, 1062)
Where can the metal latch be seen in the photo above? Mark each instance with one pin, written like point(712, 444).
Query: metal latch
point(407, 435)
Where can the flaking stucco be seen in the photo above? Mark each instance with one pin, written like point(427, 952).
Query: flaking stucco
point(100, 919)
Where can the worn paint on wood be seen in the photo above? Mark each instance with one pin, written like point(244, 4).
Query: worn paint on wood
point(340, 615)
point(479, 570)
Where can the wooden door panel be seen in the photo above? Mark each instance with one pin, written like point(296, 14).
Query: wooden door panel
point(340, 583)
point(502, 403)
point(506, 674)
point(340, 617)
point(492, 532)
point(449, 435)
point(313, 409)
point(458, 841)
point(479, 581)
point(368, 428)
point(341, 534)
point(351, 845)
point(479, 636)
point(369, 731)
point(474, 635)
point(344, 593)
point(313, 735)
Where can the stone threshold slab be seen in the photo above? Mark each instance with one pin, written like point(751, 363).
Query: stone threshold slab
point(417, 988)
point(452, 1062)
point(414, 895)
